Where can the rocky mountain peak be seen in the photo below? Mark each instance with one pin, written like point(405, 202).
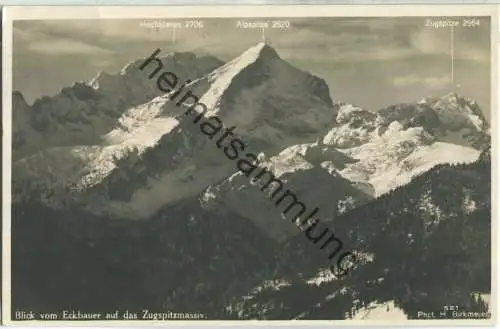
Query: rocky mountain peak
point(266, 51)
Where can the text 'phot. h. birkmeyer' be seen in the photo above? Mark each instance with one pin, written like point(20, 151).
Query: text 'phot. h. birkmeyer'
point(312, 166)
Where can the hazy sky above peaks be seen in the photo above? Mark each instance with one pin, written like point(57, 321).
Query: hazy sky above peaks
point(371, 62)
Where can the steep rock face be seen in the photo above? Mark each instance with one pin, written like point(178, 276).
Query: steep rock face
point(157, 155)
point(396, 143)
point(82, 113)
point(425, 242)
point(21, 118)
point(155, 164)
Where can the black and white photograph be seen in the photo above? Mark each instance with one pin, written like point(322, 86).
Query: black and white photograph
point(287, 167)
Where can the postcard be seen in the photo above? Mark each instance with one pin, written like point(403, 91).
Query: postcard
point(323, 164)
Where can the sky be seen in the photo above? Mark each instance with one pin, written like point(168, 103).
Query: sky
point(369, 62)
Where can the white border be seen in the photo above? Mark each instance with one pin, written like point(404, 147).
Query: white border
point(11, 13)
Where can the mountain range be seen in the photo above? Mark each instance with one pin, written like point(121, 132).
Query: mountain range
point(114, 190)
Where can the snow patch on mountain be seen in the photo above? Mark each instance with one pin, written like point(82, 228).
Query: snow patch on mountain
point(86, 166)
point(375, 311)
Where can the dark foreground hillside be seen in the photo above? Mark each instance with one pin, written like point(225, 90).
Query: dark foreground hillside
point(430, 241)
